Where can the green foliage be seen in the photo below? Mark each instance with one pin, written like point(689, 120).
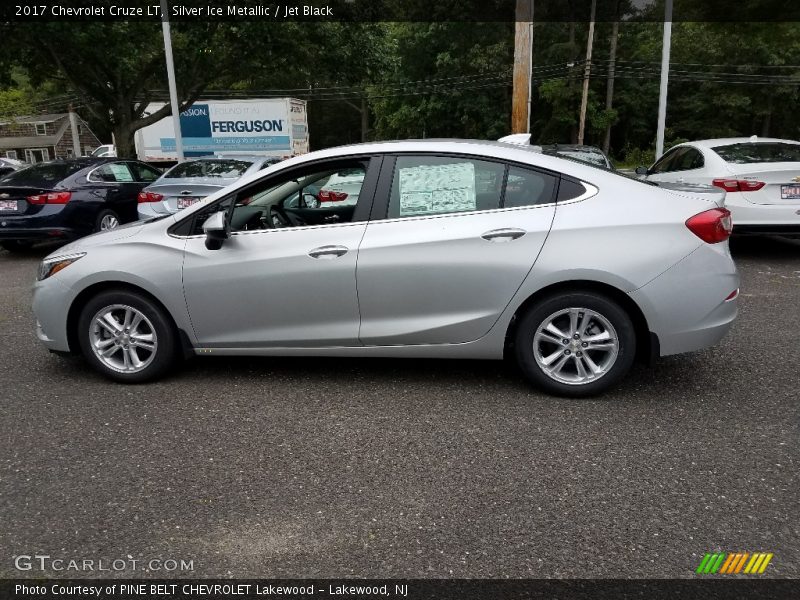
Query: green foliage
point(426, 79)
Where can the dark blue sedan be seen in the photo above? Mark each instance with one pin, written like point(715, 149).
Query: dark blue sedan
point(67, 199)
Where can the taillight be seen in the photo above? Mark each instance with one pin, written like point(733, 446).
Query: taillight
point(331, 196)
point(51, 198)
point(712, 226)
point(149, 197)
point(738, 185)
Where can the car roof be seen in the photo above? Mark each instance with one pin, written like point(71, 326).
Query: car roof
point(580, 147)
point(713, 142)
point(242, 157)
point(478, 148)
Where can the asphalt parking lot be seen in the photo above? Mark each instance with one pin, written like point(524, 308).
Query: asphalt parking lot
point(381, 468)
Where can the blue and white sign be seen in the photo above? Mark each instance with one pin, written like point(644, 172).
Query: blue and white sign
point(246, 127)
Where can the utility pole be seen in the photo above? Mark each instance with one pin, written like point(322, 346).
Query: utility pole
point(173, 90)
point(662, 95)
point(612, 64)
point(586, 71)
point(523, 59)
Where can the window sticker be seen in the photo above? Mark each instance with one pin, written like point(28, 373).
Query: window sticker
point(121, 172)
point(435, 189)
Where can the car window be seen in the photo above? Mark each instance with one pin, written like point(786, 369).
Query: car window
point(208, 168)
point(664, 164)
point(44, 174)
point(759, 152)
point(525, 187)
point(144, 172)
point(112, 173)
point(688, 159)
point(432, 185)
point(323, 195)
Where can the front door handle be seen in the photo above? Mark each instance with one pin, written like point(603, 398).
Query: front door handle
point(503, 235)
point(328, 252)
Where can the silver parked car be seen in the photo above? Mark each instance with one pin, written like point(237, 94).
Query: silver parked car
point(189, 182)
point(575, 271)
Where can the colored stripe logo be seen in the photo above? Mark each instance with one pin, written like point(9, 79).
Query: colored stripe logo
point(732, 563)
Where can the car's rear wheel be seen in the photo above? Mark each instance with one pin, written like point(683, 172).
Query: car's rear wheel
point(577, 344)
point(127, 337)
point(17, 245)
point(107, 220)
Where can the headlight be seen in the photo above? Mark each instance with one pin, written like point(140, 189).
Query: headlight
point(51, 266)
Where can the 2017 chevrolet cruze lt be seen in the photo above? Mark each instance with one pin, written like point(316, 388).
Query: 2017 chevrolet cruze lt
point(454, 249)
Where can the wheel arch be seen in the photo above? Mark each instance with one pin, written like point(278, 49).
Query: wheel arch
point(74, 313)
point(647, 345)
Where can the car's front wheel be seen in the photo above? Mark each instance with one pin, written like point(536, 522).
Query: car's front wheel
point(577, 344)
point(126, 336)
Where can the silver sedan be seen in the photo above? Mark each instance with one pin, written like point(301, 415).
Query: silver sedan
point(454, 249)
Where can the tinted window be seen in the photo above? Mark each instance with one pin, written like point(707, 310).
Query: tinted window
point(42, 175)
point(528, 188)
point(664, 164)
point(209, 168)
point(431, 185)
point(144, 173)
point(589, 156)
point(568, 189)
point(112, 173)
point(689, 158)
point(759, 152)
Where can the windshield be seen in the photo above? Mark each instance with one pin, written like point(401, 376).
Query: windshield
point(759, 152)
point(208, 168)
point(42, 175)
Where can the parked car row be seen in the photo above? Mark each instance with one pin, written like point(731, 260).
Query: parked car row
point(68, 199)
point(761, 176)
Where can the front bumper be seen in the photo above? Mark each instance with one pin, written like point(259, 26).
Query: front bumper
point(51, 301)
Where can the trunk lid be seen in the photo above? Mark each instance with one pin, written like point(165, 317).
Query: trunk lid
point(781, 182)
point(707, 193)
point(14, 200)
point(178, 196)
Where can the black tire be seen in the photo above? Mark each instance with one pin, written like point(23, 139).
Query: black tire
point(165, 353)
point(17, 246)
point(106, 213)
point(540, 314)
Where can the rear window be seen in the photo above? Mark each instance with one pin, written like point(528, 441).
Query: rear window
point(208, 168)
point(759, 152)
point(42, 175)
point(585, 156)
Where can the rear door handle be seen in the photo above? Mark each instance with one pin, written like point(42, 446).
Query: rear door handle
point(328, 252)
point(503, 235)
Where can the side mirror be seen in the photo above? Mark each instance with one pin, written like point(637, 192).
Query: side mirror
point(217, 230)
point(642, 170)
point(310, 200)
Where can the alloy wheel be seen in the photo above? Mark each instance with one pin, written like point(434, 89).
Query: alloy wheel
point(123, 338)
point(576, 346)
point(109, 222)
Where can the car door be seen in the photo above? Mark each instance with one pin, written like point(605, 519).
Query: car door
point(453, 246)
point(115, 182)
point(286, 275)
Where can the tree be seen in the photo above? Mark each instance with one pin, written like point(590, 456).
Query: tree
point(118, 68)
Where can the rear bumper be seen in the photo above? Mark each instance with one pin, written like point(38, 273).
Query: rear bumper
point(37, 234)
point(686, 307)
point(766, 229)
